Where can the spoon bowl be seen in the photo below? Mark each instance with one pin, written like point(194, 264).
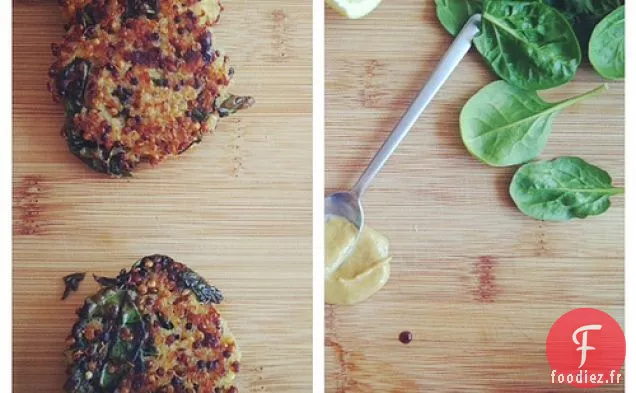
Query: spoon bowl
point(345, 205)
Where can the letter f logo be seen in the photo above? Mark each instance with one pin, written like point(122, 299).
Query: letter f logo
point(583, 344)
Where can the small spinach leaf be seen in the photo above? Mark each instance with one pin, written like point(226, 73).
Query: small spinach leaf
point(528, 44)
point(128, 338)
point(71, 283)
point(453, 14)
point(230, 104)
point(138, 8)
point(71, 84)
point(503, 125)
point(562, 189)
point(205, 292)
point(607, 46)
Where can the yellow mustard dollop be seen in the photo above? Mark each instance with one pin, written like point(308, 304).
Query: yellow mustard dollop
point(356, 266)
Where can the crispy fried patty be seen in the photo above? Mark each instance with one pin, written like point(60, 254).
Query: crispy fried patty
point(153, 329)
point(140, 79)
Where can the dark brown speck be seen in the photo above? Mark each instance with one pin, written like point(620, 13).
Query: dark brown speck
point(405, 337)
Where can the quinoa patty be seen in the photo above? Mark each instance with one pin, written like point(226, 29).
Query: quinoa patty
point(153, 329)
point(140, 79)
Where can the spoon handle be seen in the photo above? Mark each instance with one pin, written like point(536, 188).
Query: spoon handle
point(446, 66)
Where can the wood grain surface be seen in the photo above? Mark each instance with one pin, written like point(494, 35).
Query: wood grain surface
point(477, 283)
point(237, 209)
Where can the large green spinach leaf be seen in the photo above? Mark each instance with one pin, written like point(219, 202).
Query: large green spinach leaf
point(607, 46)
point(584, 15)
point(528, 44)
point(562, 189)
point(453, 14)
point(503, 125)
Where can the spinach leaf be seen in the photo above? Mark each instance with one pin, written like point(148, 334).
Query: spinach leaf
point(503, 125)
point(607, 46)
point(583, 15)
point(71, 283)
point(528, 44)
point(71, 84)
point(138, 8)
point(125, 348)
point(453, 14)
point(227, 105)
point(562, 189)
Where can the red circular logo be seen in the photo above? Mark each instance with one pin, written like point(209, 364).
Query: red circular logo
point(586, 348)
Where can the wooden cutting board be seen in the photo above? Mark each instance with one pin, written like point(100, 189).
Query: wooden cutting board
point(477, 283)
point(237, 209)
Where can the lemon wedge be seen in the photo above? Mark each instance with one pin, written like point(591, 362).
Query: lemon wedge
point(354, 9)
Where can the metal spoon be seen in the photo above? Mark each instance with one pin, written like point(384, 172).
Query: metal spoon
point(348, 204)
